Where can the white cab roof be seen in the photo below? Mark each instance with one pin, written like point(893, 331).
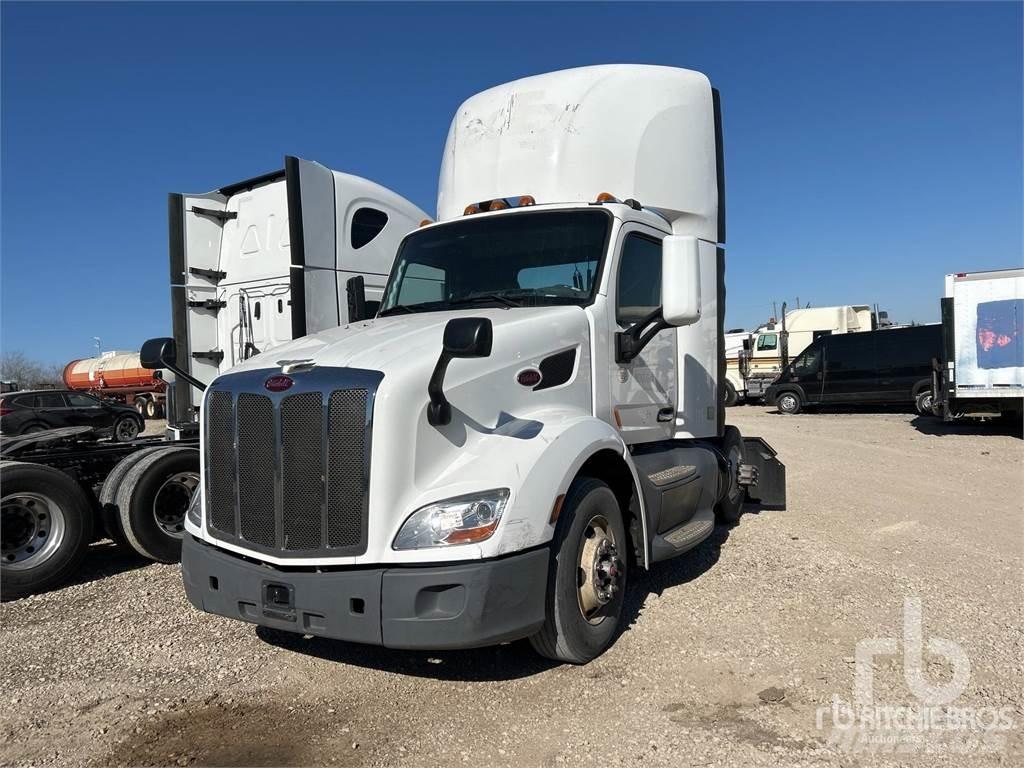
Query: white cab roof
point(635, 131)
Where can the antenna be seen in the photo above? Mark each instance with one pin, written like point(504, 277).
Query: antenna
point(96, 340)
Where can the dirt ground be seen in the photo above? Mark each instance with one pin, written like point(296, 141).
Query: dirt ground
point(728, 655)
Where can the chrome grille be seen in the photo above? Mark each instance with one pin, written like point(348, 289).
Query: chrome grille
point(287, 474)
point(220, 451)
point(256, 469)
point(302, 462)
point(347, 448)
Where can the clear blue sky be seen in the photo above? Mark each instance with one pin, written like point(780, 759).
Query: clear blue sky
point(870, 148)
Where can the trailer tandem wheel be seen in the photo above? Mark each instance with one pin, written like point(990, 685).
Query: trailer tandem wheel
point(152, 499)
point(46, 521)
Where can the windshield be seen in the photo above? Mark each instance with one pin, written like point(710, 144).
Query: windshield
point(515, 260)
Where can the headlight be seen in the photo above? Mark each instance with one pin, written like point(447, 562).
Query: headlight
point(195, 508)
point(462, 520)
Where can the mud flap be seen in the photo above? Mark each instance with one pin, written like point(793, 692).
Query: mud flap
point(767, 486)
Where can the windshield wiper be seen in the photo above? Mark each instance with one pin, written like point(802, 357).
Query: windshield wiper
point(397, 308)
point(486, 297)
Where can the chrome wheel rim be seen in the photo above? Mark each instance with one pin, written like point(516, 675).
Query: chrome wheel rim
point(32, 527)
point(126, 429)
point(171, 503)
point(787, 402)
point(599, 571)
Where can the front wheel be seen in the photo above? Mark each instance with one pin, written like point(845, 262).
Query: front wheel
point(923, 403)
point(586, 577)
point(788, 402)
point(730, 396)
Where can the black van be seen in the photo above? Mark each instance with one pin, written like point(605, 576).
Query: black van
point(890, 366)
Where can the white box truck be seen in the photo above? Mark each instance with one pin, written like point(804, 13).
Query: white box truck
point(754, 361)
point(982, 370)
point(532, 414)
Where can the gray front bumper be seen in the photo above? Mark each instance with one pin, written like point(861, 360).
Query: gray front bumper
point(426, 607)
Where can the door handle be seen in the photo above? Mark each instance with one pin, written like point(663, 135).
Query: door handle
point(666, 414)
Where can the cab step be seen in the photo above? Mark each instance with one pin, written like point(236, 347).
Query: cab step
point(684, 537)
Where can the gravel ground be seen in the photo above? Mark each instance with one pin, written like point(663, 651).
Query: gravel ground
point(727, 656)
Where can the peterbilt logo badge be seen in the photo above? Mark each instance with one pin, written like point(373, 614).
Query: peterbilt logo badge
point(278, 383)
point(529, 377)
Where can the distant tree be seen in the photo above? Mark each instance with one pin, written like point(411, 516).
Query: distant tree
point(28, 373)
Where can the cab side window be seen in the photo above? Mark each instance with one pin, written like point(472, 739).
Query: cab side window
point(808, 363)
point(767, 341)
point(367, 223)
point(50, 400)
point(639, 281)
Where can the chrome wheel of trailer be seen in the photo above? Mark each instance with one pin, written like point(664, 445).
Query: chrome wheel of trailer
point(32, 528)
point(599, 571)
point(171, 502)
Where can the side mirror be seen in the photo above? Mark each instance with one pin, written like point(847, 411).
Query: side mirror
point(159, 353)
point(468, 337)
point(355, 288)
point(163, 353)
point(463, 337)
point(680, 280)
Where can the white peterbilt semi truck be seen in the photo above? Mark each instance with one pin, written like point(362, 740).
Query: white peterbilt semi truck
point(534, 411)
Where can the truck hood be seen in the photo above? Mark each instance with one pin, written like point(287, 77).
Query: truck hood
point(391, 344)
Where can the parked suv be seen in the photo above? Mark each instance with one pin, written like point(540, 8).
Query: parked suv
point(33, 411)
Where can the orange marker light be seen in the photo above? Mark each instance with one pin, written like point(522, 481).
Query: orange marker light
point(471, 209)
point(607, 197)
point(527, 200)
point(425, 222)
point(497, 205)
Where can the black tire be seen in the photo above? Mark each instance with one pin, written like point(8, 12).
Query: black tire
point(151, 409)
point(788, 402)
point(730, 506)
point(40, 503)
point(110, 515)
point(567, 635)
point(126, 429)
point(730, 395)
point(140, 406)
point(923, 402)
point(160, 413)
point(150, 488)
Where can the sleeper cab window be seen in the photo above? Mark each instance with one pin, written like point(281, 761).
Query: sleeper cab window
point(367, 223)
point(639, 281)
point(767, 341)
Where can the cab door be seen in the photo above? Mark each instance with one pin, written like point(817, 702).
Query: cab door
point(643, 391)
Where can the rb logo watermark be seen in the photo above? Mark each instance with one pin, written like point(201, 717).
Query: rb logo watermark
point(933, 724)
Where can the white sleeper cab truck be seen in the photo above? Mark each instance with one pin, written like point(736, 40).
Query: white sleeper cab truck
point(751, 366)
point(533, 413)
point(982, 370)
point(267, 260)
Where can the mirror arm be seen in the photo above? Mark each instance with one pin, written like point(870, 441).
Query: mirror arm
point(631, 342)
point(439, 410)
point(186, 376)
